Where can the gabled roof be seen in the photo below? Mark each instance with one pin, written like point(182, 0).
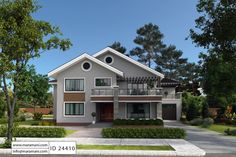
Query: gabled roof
point(128, 59)
point(78, 59)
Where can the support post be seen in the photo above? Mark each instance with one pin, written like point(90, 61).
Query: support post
point(116, 102)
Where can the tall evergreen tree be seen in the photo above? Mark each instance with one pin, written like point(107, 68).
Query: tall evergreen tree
point(118, 47)
point(149, 39)
point(216, 32)
point(170, 62)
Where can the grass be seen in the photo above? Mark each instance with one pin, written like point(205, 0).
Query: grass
point(122, 147)
point(220, 127)
point(47, 116)
point(69, 132)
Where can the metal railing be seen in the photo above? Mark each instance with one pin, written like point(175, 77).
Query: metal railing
point(139, 92)
point(102, 92)
point(172, 96)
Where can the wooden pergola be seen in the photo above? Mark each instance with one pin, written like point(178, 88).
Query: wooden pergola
point(140, 80)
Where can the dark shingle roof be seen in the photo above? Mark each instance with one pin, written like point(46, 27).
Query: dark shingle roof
point(166, 82)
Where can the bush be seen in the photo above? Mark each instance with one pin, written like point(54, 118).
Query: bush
point(205, 109)
point(38, 116)
point(170, 133)
point(230, 132)
point(192, 112)
point(47, 123)
point(34, 132)
point(207, 122)
point(196, 122)
point(28, 115)
point(21, 118)
point(138, 122)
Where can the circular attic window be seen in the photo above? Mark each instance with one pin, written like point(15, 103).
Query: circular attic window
point(109, 59)
point(86, 66)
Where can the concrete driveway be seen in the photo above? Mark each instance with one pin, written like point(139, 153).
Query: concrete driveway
point(210, 141)
point(91, 131)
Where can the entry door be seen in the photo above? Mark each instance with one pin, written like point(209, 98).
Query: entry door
point(106, 112)
point(169, 111)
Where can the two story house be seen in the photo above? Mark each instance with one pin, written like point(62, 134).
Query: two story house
point(113, 86)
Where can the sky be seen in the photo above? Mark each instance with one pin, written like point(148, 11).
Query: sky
point(92, 25)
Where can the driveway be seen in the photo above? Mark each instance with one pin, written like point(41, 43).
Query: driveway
point(210, 141)
point(91, 131)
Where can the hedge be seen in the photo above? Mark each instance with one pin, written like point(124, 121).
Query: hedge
point(169, 133)
point(230, 132)
point(35, 132)
point(138, 122)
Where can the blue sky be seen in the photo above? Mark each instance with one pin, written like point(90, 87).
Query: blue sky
point(92, 25)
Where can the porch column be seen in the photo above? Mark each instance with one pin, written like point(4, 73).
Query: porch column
point(116, 102)
point(159, 110)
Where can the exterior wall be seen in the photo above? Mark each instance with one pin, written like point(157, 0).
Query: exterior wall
point(178, 103)
point(169, 90)
point(54, 101)
point(153, 110)
point(129, 69)
point(77, 72)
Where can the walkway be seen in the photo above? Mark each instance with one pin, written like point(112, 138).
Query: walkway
point(210, 141)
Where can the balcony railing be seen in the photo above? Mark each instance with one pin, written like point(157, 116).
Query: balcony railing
point(139, 92)
point(172, 96)
point(102, 92)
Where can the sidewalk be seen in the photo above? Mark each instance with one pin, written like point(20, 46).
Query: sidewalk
point(182, 147)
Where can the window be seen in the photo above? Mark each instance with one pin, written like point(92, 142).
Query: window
point(138, 110)
point(74, 84)
point(86, 66)
point(108, 59)
point(74, 109)
point(105, 82)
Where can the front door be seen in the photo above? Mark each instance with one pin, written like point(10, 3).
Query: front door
point(106, 112)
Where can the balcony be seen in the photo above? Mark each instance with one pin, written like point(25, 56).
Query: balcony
point(126, 95)
point(172, 96)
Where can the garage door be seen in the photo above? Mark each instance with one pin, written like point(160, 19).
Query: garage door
point(169, 111)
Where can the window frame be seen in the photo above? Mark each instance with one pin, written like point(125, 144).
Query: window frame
point(102, 78)
point(86, 70)
point(73, 102)
point(129, 103)
point(74, 78)
point(111, 58)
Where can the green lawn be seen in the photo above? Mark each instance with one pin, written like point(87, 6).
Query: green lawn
point(220, 127)
point(48, 116)
point(122, 147)
point(69, 132)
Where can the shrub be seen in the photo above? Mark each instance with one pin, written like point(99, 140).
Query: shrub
point(138, 122)
point(35, 132)
point(196, 122)
point(192, 112)
point(230, 132)
point(38, 116)
point(170, 133)
point(28, 115)
point(21, 118)
point(205, 109)
point(207, 122)
point(46, 123)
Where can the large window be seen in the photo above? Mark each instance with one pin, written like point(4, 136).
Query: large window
point(102, 82)
point(74, 109)
point(138, 110)
point(74, 84)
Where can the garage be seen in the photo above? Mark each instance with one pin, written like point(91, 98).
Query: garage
point(169, 111)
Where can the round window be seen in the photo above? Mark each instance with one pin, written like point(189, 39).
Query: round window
point(109, 60)
point(86, 66)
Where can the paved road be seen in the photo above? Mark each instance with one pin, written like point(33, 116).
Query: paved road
point(209, 141)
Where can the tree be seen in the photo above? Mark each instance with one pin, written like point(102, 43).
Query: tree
point(36, 91)
point(216, 32)
point(150, 43)
point(118, 47)
point(21, 39)
point(170, 62)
